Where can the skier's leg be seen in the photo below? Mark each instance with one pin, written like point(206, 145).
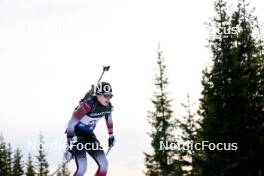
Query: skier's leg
point(98, 154)
point(81, 162)
point(100, 158)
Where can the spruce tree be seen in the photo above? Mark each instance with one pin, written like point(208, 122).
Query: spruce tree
point(188, 124)
point(18, 163)
point(30, 170)
point(42, 163)
point(232, 98)
point(3, 157)
point(161, 162)
point(65, 171)
point(9, 159)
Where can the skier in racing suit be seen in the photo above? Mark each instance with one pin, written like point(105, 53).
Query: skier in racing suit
point(80, 136)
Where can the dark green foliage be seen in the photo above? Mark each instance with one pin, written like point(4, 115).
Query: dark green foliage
point(30, 170)
point(42, 163)
point(3, 157)
point(12, 164)
point(9, 159)
point(188, 124)
point(161, 162)
point(232, 102)
point(17, 164)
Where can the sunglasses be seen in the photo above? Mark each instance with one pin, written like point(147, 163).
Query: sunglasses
point(108, 96)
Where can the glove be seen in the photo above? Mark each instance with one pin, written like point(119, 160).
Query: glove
point(68, 155)
point(71, 141)
point(111, 141)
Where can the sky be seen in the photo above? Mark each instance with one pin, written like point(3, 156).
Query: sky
point(51, 51)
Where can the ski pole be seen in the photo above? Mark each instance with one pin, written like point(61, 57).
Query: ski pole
point(108, 151)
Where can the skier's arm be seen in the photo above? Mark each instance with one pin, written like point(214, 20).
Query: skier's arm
point(79, 112)
point(109, 123)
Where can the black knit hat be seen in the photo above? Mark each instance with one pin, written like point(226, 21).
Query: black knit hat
point(102, 88)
